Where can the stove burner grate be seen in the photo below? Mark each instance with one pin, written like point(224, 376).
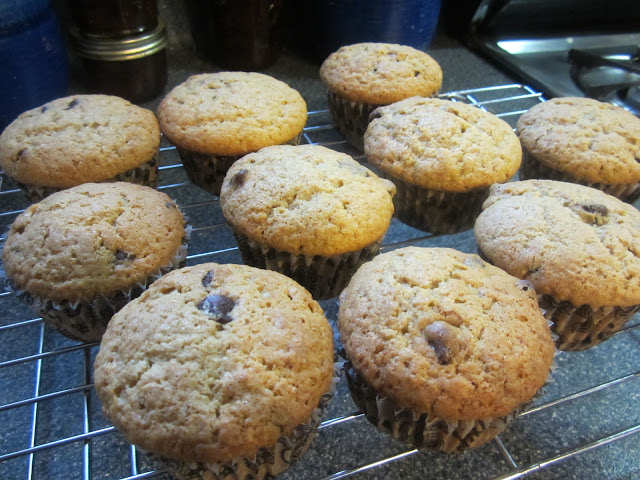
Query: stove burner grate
point(609, 78)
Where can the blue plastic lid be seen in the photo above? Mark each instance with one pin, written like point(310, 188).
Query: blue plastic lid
point(18, 14)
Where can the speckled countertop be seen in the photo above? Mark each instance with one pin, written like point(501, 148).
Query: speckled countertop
point(589, 413)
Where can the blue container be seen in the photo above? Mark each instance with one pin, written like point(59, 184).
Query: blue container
point(344, 22)
point(33, 57)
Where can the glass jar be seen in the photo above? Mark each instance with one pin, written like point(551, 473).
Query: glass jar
point(114, 18)
point(132, 67)
point(238, 34)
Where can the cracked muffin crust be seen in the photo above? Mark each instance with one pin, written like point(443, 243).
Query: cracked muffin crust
point(363, 76)
point(573, 242)
point(307, 211)
point(577, 245)
point(442, 156)
point(380, 73)
point(445, 334)
point(231, 113)
point(442, 145)
point(79, 139)
point(92, 239)
point(306, 199)
point(213, 119)
point(80, 254)
point(584, 141)
point(214, 362)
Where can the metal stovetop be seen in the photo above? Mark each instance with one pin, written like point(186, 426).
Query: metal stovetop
point(537, 41)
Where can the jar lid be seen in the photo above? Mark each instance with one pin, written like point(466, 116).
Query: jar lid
point(126, 48)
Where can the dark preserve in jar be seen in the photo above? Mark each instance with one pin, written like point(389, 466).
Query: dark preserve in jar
point(133, 67)
point(238, 34)
point(112, 18)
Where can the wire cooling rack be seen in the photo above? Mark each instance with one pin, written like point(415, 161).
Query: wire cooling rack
point(584, 426)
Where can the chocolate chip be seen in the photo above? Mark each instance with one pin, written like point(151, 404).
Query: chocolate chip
point(444, 338)
point(72, 104)
point(596, 208)
point(44, 109)
point(416, 73)
point(122, 256)
point(170, 205)
point(207, 279)
point(217, 307)
point(239, 178)
point(594, 213)
point(442, 352)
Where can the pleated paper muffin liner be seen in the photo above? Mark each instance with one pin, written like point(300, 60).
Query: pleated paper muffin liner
point(350, 118)
point(421, 430)
point(532, 168)
point(436, 211)
point(144, 174)
point(581, 327)
point(86, 320)
point(207, 171)
point(323, 276)
point(268, 462)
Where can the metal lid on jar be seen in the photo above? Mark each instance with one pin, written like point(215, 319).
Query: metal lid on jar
point(130, 47)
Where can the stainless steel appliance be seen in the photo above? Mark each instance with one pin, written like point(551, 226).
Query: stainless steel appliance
point(562, 47)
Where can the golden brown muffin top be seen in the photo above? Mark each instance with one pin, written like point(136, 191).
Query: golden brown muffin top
point(93, 239)
point(78, 139)
point(442, 145)
point(445, 333)
point(593, 141)
point(231, 113)
point(572, 242)
point(213, 362)
point(380, 73)
point(306, 199)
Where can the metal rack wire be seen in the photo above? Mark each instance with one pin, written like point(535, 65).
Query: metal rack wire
point(584, 426)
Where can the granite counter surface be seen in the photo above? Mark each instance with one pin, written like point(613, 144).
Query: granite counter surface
point(590, 408)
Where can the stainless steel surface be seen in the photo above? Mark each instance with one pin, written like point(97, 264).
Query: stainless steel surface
point(544, 62)
point(584, 426)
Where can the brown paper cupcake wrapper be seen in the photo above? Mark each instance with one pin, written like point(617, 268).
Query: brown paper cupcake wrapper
point(575, 328)
point(532, 168)
point(145, 174)
point(424, 431)
point(268, 462)
point(324, 277)
point(436, 211)
point(581, 327)
point(86, 320)
point(208, 171)
point(350, 118)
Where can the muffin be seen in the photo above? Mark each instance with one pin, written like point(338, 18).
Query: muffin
point(80, 139)
point(221, 371)
point(443, 349)
point(581, 140)
point(81, 254)
point(577, 245)
point(363, 76)
point(308, 212)
point(442, 156)
point(215, 118)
